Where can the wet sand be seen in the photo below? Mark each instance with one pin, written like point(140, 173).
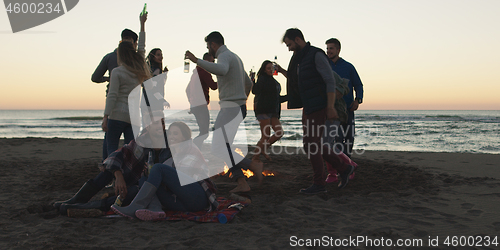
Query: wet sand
point(395, 195)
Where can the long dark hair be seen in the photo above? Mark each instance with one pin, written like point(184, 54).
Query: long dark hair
point(185, 130)
point(263, 68)
point(151, 62)
point(133, 61)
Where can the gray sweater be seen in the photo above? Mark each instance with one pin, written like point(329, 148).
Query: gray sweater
point(121, 83)
point(234, 83)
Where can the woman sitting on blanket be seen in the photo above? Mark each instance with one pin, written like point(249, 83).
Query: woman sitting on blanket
point(126, 165)
point(175, 190)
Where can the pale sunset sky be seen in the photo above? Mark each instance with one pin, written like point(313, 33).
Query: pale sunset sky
point(415, 55)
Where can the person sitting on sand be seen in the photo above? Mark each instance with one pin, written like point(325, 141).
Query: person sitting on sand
point(165, 183)
point(267, 108)
point(126, 165)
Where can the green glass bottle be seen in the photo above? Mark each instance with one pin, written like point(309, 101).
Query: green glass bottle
point(144, 9)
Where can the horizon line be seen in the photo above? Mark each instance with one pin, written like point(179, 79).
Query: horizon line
point(253, 110)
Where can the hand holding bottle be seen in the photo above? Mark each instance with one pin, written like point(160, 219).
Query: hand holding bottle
point(275, 68)
point(190, 56)
point(143, 18)
point(252, 75)
point(278, 68)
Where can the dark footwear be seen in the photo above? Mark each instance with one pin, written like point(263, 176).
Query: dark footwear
point(314, 189)
point(344, 176)
point(86, 192)
point(98, 204)
point(85, 213)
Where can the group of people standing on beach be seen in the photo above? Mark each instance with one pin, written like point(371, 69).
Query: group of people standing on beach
point(320, 83)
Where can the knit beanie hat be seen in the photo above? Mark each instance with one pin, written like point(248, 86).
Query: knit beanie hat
point(129, 33)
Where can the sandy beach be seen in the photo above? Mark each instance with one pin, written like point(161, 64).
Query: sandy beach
point(396, 197)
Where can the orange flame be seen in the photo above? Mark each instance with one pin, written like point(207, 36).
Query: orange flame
point(226, 169)
point(267, 173)
point(237, 150)
point(247, 173)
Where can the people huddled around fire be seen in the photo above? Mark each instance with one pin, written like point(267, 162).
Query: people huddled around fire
point(147, 181)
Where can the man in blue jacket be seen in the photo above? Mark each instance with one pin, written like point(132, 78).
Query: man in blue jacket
point(346, 70)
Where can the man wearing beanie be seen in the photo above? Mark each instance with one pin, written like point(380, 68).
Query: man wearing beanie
point(110, 61)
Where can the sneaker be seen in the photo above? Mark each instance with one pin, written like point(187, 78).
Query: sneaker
point(331, 178)
point(344, 177)
point(314, 189)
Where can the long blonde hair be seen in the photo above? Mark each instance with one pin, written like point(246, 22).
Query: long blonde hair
point(133, 61)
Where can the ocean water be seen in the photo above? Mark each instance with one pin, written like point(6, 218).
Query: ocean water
point(422, 131)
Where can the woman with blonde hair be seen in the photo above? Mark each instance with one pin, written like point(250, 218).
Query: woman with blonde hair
point(130, 73)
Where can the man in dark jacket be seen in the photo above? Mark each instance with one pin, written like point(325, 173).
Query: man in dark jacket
point(311, 86)
point(110, 61)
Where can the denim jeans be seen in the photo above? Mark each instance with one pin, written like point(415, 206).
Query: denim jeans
point(224, 118)
point(115, 130)
point(172, 195)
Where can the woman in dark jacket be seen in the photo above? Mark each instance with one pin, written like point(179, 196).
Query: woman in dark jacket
point(267, 108)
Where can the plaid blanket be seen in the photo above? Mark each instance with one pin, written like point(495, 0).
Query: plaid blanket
point(204, 216)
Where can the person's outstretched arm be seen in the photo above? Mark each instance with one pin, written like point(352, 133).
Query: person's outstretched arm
point(141, 47)
point(220, 68)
